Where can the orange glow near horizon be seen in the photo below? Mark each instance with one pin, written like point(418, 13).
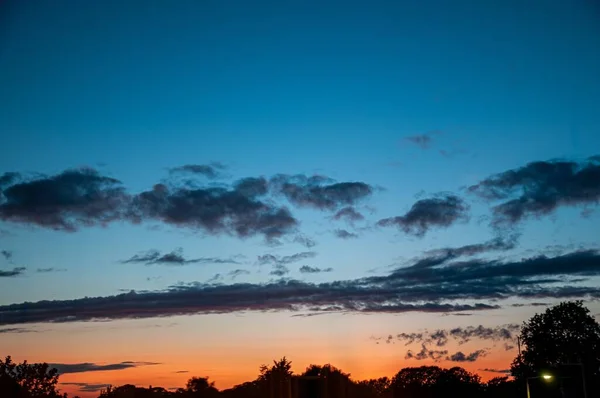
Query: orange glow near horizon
point(230, 348)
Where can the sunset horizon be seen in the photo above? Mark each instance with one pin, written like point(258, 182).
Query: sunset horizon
point(198, 188)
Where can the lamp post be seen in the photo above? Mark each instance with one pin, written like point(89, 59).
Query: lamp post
point(582, 375)
point(545, 377)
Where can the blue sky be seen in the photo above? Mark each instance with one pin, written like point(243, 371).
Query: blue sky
point(133, 89)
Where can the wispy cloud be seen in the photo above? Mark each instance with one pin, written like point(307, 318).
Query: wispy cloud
point(423, 141)
point(64, 368)
point(305, 241)
point(48, 270)
point(174, 257)
point(349, 214)
point(88, 387)
point(285, 260)
point(7, 254)
point(343, 234)
point(211, 171)
point(238, 272)
point(305, 269)
point(476, 284)
point(12, 273)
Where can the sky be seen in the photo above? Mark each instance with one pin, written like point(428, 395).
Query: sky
point(197, 188)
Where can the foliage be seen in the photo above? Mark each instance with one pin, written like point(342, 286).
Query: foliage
point(563, 334)
point(28, 380)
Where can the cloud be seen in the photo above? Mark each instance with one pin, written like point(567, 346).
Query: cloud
point(441, 211)
point(279, 270)
point(343, 234)
point(305, 241)
point(14, 272)
point(17, 330)
point(175, 257)
point(305, 269)
point(439, 355)
point(350, 214)
point(216, 278)
point(496, 244)
point(460, 286)
point(285, 260)
point(64, 368)
point(319, 192)
point(66, 201)
point(182, 371)
point(504, 371)
point(539, 188)
point(6, 254)
point(211, 171)
point(422, 140)
point(239, 211)
point(88, 387)
point(462, 357)
point(440, 337)
point(47, 270)
point(426, 353)
point(237, 272)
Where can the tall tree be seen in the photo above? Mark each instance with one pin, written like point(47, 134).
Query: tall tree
point(34, 379)
point(564, 335)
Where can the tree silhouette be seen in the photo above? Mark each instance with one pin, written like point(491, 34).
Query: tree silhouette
point(433, 381)
point(28, 380)
point(200, 387)
point(563, 334)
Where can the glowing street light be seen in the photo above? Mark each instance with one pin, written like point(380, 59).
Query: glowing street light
point(546, 377)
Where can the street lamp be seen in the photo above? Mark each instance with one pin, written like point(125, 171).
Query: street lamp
point(546, 377)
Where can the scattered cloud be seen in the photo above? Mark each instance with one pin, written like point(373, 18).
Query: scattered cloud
point(503, 371)
point(7, 254)
point(305, 269)
point(459, 286)
point(48, 270)
point(88, 387)
point(14, 272)
point(349, 214)
point(66, 201)
point(279, 270)
point(319, 192)
point(64, 368)
point(175, 257)
point(462, 335)
point(305, 241)
point(426, 353)
point(441, 212)
point(211, 171)
point(285, 260)
point(447, 253)
point(343, 234)
point(182, 371)
point(238, 272)
point(240, 211)
point(539, 188)
point(462, 357)
point(17, 330)
point(423, 141)
point(439, 355)
point(216, 278)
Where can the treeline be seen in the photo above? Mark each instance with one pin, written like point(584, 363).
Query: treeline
point(276, 381)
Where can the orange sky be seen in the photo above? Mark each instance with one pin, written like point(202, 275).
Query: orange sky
point(230, 348)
